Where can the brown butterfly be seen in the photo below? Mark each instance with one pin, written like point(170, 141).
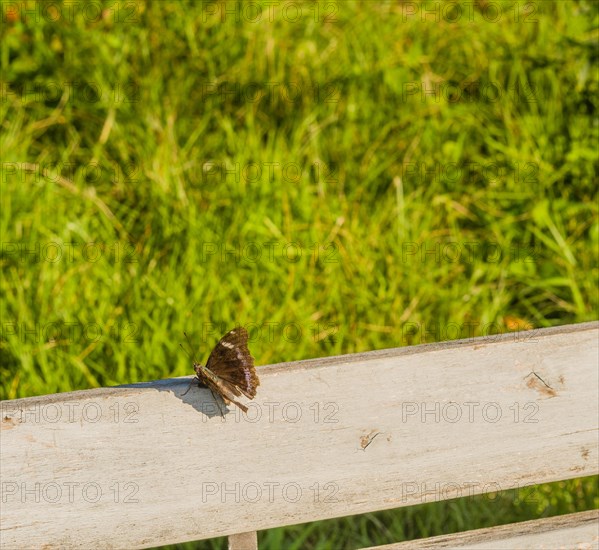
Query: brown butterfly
point(230, 369)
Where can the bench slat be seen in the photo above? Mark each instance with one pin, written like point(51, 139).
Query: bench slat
point(579, 530)
point(140, 466)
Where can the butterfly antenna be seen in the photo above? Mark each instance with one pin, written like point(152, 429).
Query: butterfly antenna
point(185, 351)
point(190, 355)
point(190, 348)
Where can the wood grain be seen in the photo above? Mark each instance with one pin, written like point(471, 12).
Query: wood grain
point(140, 465)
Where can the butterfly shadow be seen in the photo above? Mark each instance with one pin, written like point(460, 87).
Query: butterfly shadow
point(186, 388)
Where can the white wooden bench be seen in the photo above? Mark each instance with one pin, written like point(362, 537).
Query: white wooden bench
point(140, 466)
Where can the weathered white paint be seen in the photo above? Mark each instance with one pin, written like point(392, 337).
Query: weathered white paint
point(141, 466)
point(580, 531)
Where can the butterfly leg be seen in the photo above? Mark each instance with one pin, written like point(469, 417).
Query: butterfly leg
point(217, 403)
point(190, 384)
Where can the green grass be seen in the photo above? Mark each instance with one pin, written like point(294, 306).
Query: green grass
point(121, 157)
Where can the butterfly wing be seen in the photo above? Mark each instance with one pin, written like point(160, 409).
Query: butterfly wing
point(227, 391)
point(232, 362)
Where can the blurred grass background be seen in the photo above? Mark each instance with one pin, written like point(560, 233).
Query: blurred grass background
point(192, 142)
